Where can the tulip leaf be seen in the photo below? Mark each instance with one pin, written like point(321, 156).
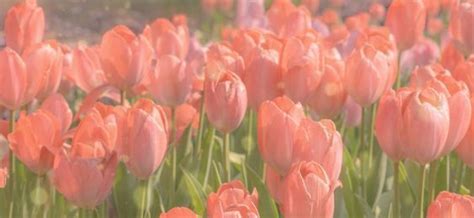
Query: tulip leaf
point(195, 191)
point(382, 204)
point(266, 205)
point(364, 206)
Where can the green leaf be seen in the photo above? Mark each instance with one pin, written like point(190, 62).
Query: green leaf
point(383, 204)
point(266, 205)
point(365, 207)
point(194, 191)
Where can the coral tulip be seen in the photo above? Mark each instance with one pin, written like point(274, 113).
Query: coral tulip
point(145, 138)
point(225, 100)
point(87, 70)
point(58, 106)
point(406, 20)
point(286, 20)
point(250, 13)
point(449, 204)
point(422, 53)
point(24, 25)
point(171, 81)
point(461, 23)
point(179, 212)
point(465, 72)
point(232, 200)
point(220, 57)
point(280, 117)
point(465, 149)
point(307, 191)
point(169, 38)
point(13, 79)
point(124, 57)
point(451, 56)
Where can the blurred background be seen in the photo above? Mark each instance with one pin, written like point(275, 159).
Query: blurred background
point(70, 21)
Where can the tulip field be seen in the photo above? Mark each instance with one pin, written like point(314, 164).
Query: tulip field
point(237, 108)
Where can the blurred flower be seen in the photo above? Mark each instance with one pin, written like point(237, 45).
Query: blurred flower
point(250, 13)
point(86, 69)
point(461, 23)
point(286, 20)
point(465, 72)
point(24, 25)
point(449, 204)
point(179, 212)
point(377, 11)
point(13, 79)
point(225, 100)
point(451, 57)
point(465, 150)
point(232, 200)
point(352, 113)
point(406, 20)
point(169, 38)
point(312, 5)
point(422, 53)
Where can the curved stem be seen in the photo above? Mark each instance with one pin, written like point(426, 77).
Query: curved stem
point(201, 129)
point(361, 153)
point(396, 190)
point(421, 189)
point(448, 172)
point(371, 133)
point(249, 132)
point(209, 158)
point(432, 182)
point(226, 156)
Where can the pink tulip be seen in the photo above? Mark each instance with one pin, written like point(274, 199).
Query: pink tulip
point(145, 138)
point(221, 57)
point(465, 72)
point(352, 113)
point(368, 71)
point(302, 66)
point(461, 23)
point(225, 100)
point(232, 200)
point(85, 174)
point(171, 81)
point(124, 57)
point(465, 150)
point(273, 181)
point(406, 20)
point(24, 25)
point(13, 79)
point(250, 13)
point(286, 20)
point(424, 52)
point(179, 212)
point(449, 204)
point(451, 56)
point(86, 69)
point(58, 106)
point(278, 122)
point(307, 191)
point(169, 38)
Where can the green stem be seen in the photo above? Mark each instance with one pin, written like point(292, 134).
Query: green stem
point(421, 189)
point(174, 158)
point(396, 189)
point(249, 132)
point(209, 159)
point(460, 175)
point(144, 201)
point(471, 188)
point(371, 133)
point(448, 172)
point(361, 154)
point(398, 83)
point(201, 129)
point(227, 156)
point(12, 180)
point(432, 182)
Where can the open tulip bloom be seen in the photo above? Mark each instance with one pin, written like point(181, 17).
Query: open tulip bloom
point(237, 109)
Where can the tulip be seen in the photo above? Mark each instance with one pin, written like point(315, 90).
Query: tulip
point(169, 38)
point(451, 56)
point(250, 13)
point(368, 71)
point(319, 142)
point(124, 57)
point(171, 81)
point(262, 76)
point(273, 181)
point(329, 97)
point(465, 72)
point(449, 204)
point(58, 106)
point(286, 20)
point(145, 138)
point(44, 65)
point(425, 126)
point(13, 79)
point(245, 42)
point(461, 23)
point(307, 191)
point(35, 140)
point(280, 117)
point(278, 13)
point(352, 113)
point(179, 212)
point(87, 70)
point(465, 149)
point(424, 52)
point(232, 200)
point(406, 20)
point(222, 57)
point(186, 115)
point(24, 25)
point(301, 63)
point(225, 100)
point(85, 173)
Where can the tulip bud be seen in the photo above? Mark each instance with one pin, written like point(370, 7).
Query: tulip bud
point(87, 70)
point(169, 38)
point(13, 79)
point(243, 204)
point(449, 204)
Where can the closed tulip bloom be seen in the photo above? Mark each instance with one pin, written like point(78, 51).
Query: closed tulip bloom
point(449, 204)
point(307, 191)
point(232, 200)
point(171, 81)
point(425, 125)
point(465, 72)
point(461, 23)
point(58, 106)
point(86, 68)
point(146, 138)
point(85, 173)
point(329, 97)
point(367, 74)
point(451, 56)
point(388, 122)
point(301, 63)
point(280, 117)
point(44, 65)
point(35, 140)
point(24, 25)
point(179, 212)
point(278, 13)
point(319, 142)
point(465, 149)
point(170, 38)
point(406, 20)
point(221, 57)
point(286, 20)
point(263, 76)
point(13, 79)
point(124, 57)
point(225, 100)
